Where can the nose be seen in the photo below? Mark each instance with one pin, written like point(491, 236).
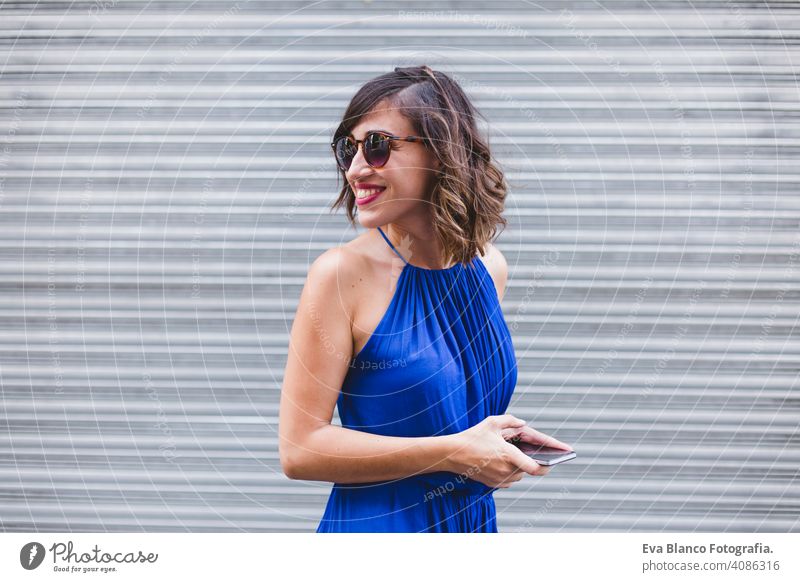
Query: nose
point(359, 166)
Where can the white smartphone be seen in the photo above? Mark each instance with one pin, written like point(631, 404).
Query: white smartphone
point(545, 455)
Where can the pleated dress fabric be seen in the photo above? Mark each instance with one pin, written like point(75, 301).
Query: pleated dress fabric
point(440, 361)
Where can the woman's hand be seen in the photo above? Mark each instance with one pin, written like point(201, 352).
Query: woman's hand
point(483, 454)
point(532, 436)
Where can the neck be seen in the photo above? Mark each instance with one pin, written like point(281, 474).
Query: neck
point(418, 245)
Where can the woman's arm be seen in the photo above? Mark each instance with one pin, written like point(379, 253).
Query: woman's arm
point(320, 349)
point(341, 455)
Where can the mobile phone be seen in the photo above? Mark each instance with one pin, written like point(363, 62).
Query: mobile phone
point(545, 455)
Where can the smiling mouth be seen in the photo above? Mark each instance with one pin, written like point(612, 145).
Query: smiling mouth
point(367, 192)
point(368, 195)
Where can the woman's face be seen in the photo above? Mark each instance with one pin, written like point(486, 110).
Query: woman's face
point(407, 178)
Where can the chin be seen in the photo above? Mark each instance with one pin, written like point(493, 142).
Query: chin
point(374, 216)
point(369, 220)
point(384, 212)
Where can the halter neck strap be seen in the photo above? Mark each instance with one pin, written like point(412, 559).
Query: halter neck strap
point(391, 245)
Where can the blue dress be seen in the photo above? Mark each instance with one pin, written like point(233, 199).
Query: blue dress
point(440, 361)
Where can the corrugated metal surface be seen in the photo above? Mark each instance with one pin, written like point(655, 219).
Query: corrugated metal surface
point(165, 182)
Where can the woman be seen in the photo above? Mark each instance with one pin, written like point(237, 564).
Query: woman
point(418, 359)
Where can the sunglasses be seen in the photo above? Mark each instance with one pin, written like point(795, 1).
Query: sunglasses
point(377, 148)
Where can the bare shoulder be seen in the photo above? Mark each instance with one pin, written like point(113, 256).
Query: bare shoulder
point(344, 272)
point(497, 266)
point(333, 275)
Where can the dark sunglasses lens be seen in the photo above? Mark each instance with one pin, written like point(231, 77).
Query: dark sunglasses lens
point(345, 152)
point(376, 150)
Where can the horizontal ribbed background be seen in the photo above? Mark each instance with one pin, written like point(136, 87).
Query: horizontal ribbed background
point(164, 182)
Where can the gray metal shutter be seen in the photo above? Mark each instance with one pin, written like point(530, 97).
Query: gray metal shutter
point(164, 183)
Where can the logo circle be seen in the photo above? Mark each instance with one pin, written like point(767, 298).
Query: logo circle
point(31, 555)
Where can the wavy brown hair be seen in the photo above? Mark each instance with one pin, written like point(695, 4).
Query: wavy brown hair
point(470, 192)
